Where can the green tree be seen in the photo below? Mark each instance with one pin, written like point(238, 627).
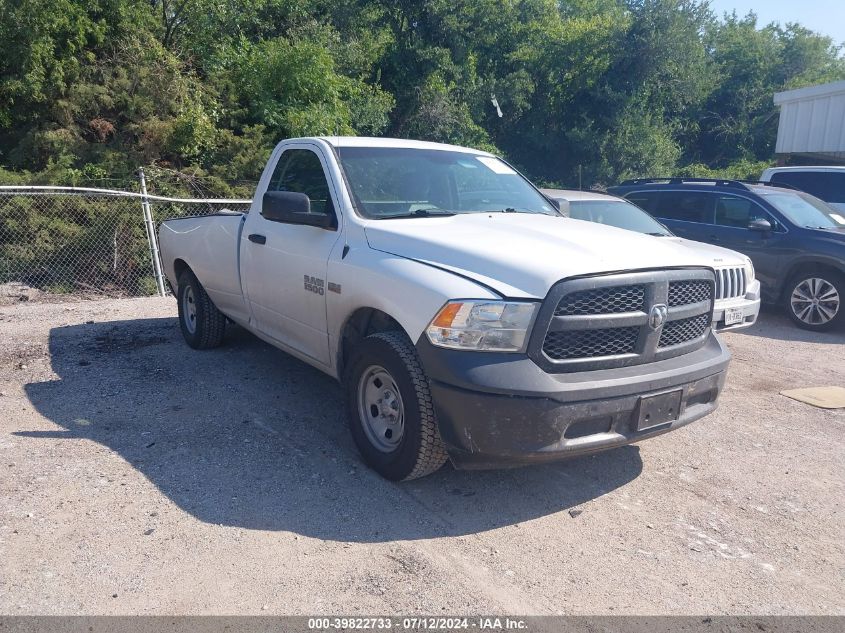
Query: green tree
point(201, 90)
point(292, 87)
point(739, 118)
point(45, 46)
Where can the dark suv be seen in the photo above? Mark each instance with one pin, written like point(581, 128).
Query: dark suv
point(796, 241)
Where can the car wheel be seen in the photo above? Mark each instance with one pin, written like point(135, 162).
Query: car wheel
point(814, 300)
point(202, 324)
point(390, 408)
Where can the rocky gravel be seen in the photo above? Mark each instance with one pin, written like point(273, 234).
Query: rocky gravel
point(138, 476)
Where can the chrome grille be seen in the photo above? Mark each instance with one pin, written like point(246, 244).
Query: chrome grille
point(683, 330)
point(686, 292)
point(590, 343)
point(612, 300)
point(616, 320)
point(730, 282)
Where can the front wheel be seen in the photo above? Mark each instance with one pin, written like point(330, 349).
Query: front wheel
point(814, 300)
point(390, 408)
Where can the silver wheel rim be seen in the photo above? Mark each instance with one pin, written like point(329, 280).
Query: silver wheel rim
point(189, 310)
point(380, 409)
point(815, 301)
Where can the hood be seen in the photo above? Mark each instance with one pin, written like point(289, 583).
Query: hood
point(835, 235)
point(720, 255)
point(523, 255)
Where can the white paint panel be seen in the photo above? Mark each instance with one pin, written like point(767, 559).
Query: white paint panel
point(837, 126)
point(818, 123)
point(812, 120)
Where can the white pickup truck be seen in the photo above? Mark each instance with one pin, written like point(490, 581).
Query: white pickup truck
point(464, 316)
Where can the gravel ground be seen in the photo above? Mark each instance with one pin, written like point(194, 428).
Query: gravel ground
point(141, 477)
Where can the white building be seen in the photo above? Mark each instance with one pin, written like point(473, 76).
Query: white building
point(812, 122)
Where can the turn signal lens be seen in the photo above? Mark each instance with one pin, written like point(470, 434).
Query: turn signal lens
point(447, 315)
point(490, 326)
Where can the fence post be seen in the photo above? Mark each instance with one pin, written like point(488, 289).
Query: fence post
point(152, 238)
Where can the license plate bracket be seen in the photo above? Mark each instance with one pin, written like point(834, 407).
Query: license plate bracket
point(660, 409)
point(733, 316)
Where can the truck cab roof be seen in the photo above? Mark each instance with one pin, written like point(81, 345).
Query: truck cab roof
point(371, 141)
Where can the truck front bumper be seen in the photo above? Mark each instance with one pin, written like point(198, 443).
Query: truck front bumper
point(498, 410)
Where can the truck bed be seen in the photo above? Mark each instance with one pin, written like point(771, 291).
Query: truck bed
point(210, 246)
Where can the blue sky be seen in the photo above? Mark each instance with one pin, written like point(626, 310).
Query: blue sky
point(824, 16)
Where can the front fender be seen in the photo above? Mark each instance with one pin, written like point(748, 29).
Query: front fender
point(810, 260)
point(409, 291)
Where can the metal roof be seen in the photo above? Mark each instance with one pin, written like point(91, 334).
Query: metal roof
point(812, 121)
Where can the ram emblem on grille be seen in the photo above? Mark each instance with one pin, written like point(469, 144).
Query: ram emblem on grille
point(658, 315)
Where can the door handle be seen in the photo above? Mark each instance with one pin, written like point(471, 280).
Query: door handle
point(255, 238)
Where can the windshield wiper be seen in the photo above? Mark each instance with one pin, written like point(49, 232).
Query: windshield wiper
point(658, 234)
point(419, 213)
point(514, 210)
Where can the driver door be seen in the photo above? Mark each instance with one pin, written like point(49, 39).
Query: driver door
point(284, 265)
point(765, 248)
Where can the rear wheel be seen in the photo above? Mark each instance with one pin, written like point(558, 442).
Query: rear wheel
point(202, 324)
point(814, 300)
point(390, 409)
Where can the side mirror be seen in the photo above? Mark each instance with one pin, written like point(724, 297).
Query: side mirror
point(561, 205)
point(293, 208)
point(759, 224)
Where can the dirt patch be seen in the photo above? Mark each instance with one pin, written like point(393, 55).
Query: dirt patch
point(125, 342)
point(20, 354)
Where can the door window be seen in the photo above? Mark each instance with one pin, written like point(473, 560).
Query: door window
point(738, 212)
point(300, 171)
point(685, 206)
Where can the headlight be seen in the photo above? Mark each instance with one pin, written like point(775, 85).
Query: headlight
point(749, 271)
point(490, 326)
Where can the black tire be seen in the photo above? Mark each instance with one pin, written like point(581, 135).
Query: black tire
point(206, 327)
point(806, 316)
point(420, 450)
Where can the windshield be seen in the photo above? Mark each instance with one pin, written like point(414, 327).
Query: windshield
point(391, 182)
point(619, 213)
point(806, 210)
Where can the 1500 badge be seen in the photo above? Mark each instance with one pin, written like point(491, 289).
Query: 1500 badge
point(315, 285)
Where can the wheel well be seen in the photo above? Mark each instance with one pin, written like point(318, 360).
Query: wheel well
point(362, 323)
point(179, 266)
point(805, 268)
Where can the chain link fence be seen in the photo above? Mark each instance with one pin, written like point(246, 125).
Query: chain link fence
point(57, 242)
